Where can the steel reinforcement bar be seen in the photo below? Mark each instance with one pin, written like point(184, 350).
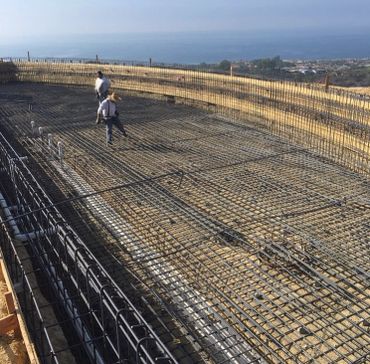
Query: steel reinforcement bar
point(109, 325)
point(333, 122)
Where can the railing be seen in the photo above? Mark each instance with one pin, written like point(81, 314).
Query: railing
point(331, 121)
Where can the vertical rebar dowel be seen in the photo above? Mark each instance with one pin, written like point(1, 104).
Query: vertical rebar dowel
point(60, 152)
point(50, 143)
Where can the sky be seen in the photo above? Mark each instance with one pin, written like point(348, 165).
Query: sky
point(47, 19)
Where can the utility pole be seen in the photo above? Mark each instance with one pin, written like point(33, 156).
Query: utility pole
point(327, 82)
point(28, 56)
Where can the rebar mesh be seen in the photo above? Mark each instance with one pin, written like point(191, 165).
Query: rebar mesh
point(330, 120)
point(250, 248)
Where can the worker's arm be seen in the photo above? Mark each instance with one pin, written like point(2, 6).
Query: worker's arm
point(99, 113)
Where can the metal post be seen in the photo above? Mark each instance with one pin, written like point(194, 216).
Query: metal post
point(50, 143)
point(327, 82)
point(60, 152)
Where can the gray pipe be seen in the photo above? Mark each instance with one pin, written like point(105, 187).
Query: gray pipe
point(17, 233)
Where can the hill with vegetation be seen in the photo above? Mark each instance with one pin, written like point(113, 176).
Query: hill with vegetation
point(348, 73)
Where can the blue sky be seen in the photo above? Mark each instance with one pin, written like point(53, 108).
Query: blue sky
point(44, 19)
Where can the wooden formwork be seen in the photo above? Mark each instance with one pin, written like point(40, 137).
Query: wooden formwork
point(23, 350)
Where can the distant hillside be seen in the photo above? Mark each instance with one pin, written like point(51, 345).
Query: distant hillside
point(348, 73)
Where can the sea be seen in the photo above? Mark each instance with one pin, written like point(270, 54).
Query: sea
point(195, 47)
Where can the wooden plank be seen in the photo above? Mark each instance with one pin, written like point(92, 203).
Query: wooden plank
point(10, 305)
point(2, 277)
point(9, 302)
point(21, 328)
point(8, 323)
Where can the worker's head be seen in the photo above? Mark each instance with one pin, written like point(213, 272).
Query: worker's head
point(114, 97)
point(100, 74)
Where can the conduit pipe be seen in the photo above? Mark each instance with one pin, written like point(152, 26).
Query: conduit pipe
point(23, 237)
point(33, 125)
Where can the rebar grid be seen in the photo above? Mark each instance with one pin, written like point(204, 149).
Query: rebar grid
point(81, 282)
point(331, 120)
point(258, 247)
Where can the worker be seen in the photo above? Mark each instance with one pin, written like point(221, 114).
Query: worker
point(108, 112)
point(102, 85)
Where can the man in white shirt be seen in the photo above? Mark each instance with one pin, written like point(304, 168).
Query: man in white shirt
point(109, 113)
point(102, 85)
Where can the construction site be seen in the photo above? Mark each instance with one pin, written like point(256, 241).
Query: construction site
point(231, 225)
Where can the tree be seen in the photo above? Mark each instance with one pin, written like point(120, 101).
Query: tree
point(268, 64)
point(224, 65)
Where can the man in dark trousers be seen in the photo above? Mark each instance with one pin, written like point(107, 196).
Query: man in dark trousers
point(108, 112)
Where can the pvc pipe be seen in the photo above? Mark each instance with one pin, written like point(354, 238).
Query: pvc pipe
point(33, 124)
point(23, 237)
point(50, 140)
point(9, 215)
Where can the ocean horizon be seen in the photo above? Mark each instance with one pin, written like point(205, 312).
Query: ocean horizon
point(195, 47)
